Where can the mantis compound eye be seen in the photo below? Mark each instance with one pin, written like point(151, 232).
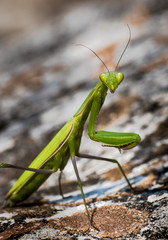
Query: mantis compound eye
point(120, 77)
point(103, 78)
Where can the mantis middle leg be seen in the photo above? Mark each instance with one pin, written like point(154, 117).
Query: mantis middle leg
point(81, 155)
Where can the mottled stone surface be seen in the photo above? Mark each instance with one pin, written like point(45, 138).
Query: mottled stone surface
point(44, 78)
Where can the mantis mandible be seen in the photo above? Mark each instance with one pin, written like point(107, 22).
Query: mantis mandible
point(66, 142)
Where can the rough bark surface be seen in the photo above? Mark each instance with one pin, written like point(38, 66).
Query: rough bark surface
point(44, 79)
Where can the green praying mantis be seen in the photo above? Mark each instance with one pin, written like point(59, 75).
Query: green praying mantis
point(66, 143)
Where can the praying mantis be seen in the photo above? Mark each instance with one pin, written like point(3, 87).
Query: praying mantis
point(66, 143)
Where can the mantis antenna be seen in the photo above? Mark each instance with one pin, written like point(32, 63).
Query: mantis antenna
point(120, 56)
point(96, 55)
point(124, 48)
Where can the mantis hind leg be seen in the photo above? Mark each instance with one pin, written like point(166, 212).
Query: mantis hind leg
point(36, 170)
point(80, 185)
point(108, 160)
point(59, 185)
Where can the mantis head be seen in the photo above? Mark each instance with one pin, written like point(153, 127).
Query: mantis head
point(111, 80)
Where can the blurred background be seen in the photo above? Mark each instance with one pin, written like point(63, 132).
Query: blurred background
point(44, 78)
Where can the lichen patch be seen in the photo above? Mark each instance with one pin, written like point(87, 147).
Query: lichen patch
point(108, 221)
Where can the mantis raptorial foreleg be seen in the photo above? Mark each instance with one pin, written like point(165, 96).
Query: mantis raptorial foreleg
point(112, 139)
